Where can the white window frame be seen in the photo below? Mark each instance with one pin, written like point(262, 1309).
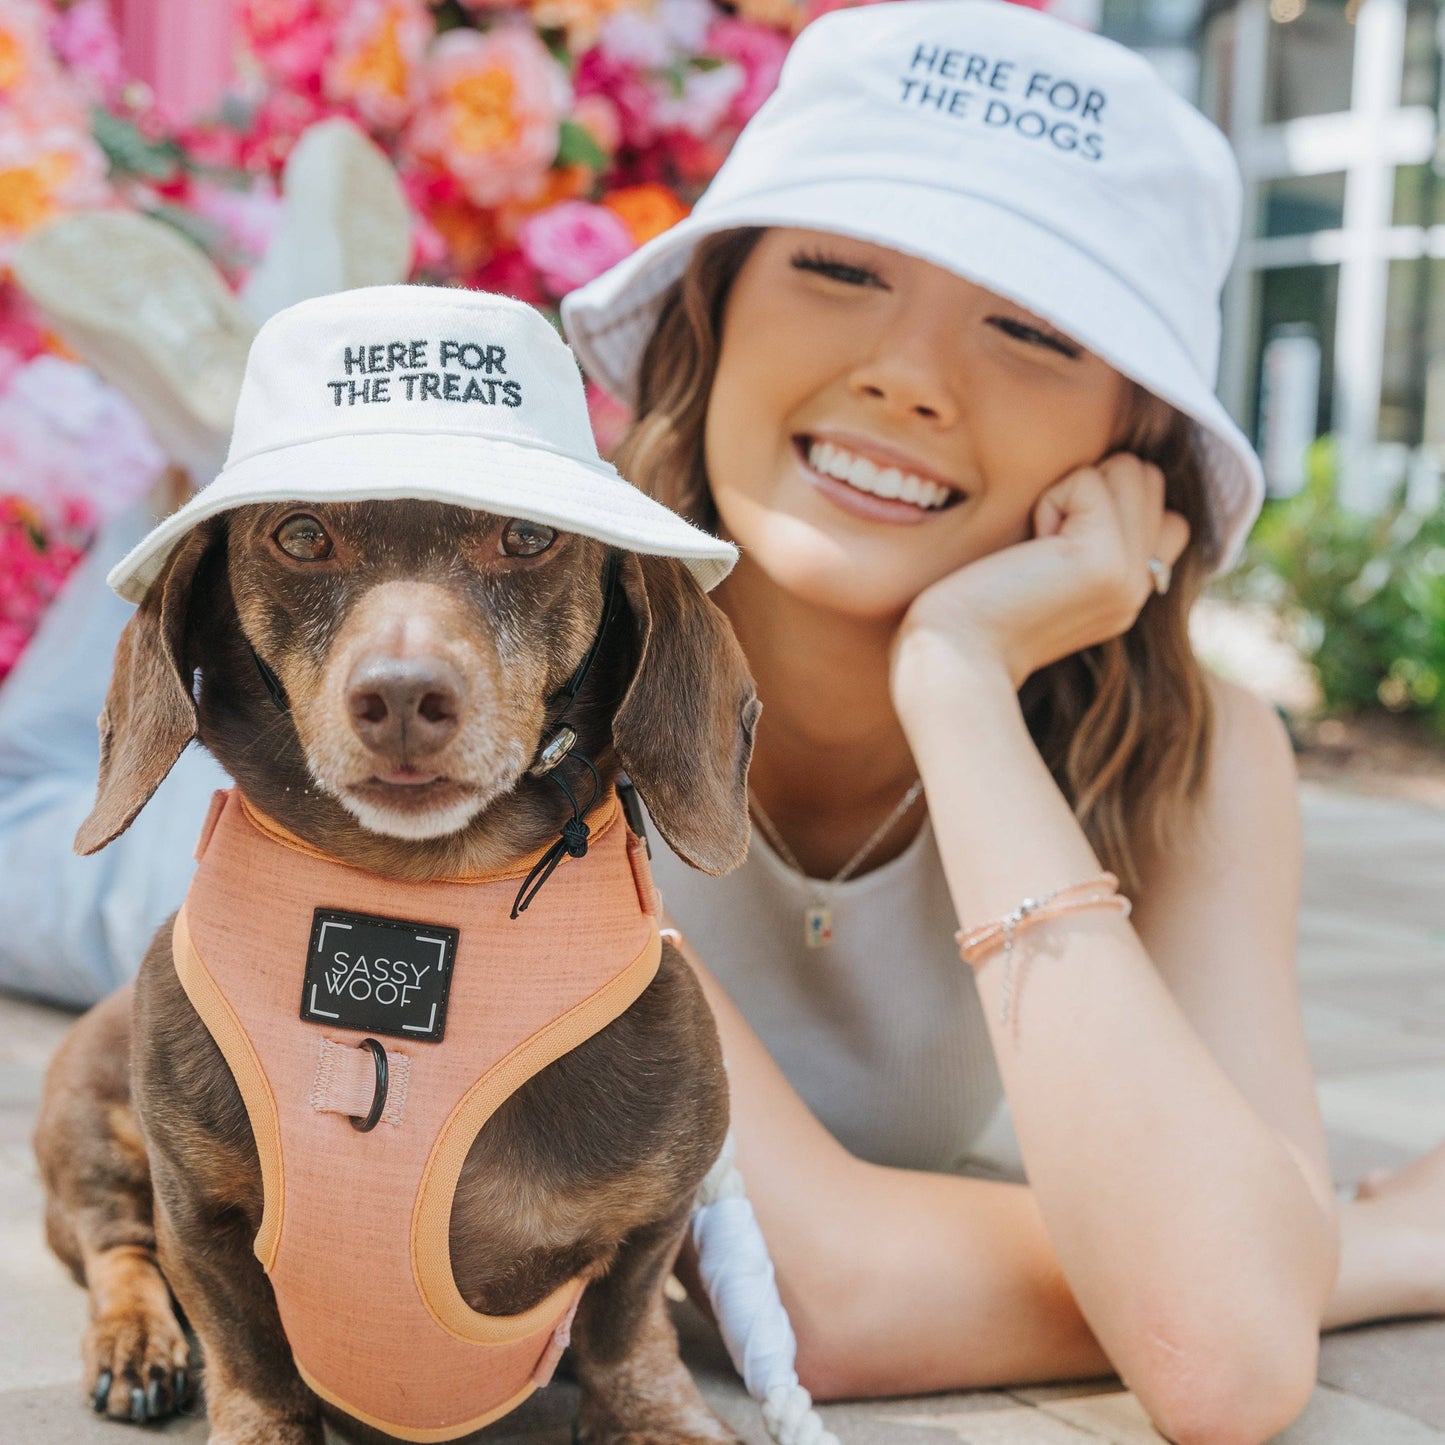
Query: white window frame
point(1366, 142)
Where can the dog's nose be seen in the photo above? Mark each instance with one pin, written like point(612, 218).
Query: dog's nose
point(404, 706)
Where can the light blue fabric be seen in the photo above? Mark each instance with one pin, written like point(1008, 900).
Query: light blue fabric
point(75, 928)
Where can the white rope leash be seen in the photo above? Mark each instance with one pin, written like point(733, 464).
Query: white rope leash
point(737, 1273)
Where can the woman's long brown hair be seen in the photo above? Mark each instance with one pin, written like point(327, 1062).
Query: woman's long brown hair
point(1125, 727)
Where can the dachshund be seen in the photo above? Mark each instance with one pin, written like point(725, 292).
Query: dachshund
point(413, 654)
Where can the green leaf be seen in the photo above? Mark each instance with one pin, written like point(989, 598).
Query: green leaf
point(575, 146)
point(556, 43)
point(129, 153)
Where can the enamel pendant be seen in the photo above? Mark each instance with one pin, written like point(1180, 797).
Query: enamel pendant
point(818, 925)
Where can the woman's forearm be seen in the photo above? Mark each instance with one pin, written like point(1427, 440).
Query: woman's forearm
point(897, 1282)
point(1184, 1224)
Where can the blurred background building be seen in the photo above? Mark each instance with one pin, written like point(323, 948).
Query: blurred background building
point(1335, 316)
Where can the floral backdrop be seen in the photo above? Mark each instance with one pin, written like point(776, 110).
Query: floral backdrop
point(537, 143)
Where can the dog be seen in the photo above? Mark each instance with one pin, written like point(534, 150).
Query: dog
point(377, 677)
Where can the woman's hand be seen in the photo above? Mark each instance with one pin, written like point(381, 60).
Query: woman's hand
point(1081, 579)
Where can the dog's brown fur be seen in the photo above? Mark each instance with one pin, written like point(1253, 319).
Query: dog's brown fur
point(150, 1167)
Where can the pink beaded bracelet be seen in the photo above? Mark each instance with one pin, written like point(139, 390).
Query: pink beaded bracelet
point(976, 945)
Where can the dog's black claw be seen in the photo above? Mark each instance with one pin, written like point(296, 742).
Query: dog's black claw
point(153, 1400)
point(182, 1379)
point(102, 1392)
point(137, 1405)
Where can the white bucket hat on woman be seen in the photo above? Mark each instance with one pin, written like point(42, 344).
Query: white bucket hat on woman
point(1047, 164)
point(431, 393)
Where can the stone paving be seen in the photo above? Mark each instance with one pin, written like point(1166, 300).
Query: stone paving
point(1372, 961)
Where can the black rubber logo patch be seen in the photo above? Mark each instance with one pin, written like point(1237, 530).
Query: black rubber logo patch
point(378, 975)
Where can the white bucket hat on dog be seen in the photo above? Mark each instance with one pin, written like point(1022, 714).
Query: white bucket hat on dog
point(431, 393)
point(1047, 164)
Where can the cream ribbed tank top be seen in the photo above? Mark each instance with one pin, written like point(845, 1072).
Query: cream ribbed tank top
point(881, 1031)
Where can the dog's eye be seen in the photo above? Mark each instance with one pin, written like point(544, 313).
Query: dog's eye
point(526, 539)
point(304, 538)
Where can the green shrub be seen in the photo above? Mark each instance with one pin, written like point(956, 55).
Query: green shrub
point(1366, 591)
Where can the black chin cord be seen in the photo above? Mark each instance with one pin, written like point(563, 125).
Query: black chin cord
point(572, 843)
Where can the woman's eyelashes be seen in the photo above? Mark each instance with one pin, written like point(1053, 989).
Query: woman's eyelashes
point(836, 270)
point(849, 273)
point(1024, 332)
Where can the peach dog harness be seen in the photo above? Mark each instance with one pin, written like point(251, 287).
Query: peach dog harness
point(291, 958)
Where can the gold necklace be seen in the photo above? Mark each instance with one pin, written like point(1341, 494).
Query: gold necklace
point(818, 915)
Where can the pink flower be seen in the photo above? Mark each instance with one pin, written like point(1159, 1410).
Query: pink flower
point(610, 419)
point(814, 8)
point(509, 273)
point(696, 160)
point(706, 101)
point(759, 52)
point(246, 218)
point(572, 242)
point(83, 36)
point(22, 334)
point(208, 144)
point(492, 112)
point(47, 165)
point(276, 126)
point(428, 246)
point(291, 39)
point(579, 20)
point(376, 64)
point(34, 562)
point(68, 438)
point(632, 38)
point(632, 98)
point(25, 60)
point(268, 20)
point(687, 22)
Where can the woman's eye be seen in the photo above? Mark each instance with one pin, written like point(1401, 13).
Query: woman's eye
point(526, 539)
point(1024, 332)
point(303, 538)
point(835, 270)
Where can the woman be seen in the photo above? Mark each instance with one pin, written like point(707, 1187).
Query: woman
point(937, 352)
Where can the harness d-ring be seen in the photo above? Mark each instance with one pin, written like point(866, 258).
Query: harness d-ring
point(378, 1101)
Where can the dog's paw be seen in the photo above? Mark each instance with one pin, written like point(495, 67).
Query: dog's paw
point(136, 1363)
point(694, 1425)
point(657, 1436)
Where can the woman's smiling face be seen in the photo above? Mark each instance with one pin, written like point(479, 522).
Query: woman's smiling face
point(877, 422)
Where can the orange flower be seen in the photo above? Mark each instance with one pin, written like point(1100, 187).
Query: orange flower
point(780, 14)
point(469, 233)
point(562, 183)
point(646, 210)
point(25, 200)
point(491, 116)
point(581, 19)
point(376, 65)
point(25, 59)
point(36, 185)
point(12, 61)
point(379, 64)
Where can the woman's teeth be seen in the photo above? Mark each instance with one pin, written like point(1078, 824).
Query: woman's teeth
point(890, 482)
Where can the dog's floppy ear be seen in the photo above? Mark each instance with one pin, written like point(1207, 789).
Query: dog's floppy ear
point(684, 732)
point(149, 714)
